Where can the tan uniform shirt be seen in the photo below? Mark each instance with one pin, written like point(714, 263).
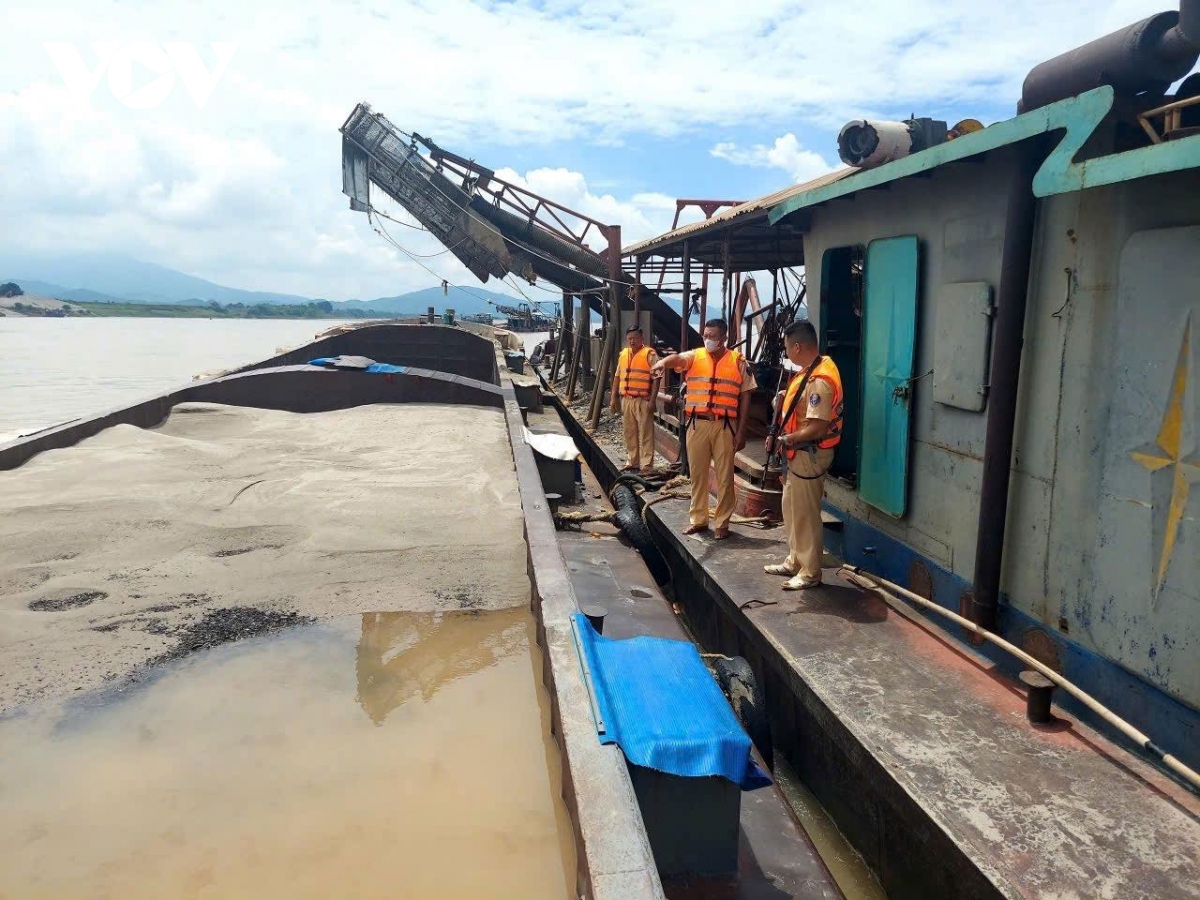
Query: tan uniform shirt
point(818, 400)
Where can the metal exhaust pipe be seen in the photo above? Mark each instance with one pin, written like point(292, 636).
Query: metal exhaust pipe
point(1143, 57)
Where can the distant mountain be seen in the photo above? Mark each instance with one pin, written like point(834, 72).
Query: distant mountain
point(114, 279)
point(465, 302)
point(128, 279)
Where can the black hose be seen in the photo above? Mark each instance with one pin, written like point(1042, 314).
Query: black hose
point(634, 478)
point(629, 518)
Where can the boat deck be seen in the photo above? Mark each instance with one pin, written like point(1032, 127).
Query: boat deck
point(776, 857)
point(920, 749)
point(1044, 811)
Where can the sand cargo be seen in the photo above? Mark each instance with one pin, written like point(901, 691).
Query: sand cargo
point(332, 593)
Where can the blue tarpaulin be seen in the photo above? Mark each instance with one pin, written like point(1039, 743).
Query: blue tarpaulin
point(386, 368)
point(658, 702)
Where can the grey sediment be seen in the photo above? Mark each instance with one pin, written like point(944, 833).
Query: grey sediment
point(225, 625)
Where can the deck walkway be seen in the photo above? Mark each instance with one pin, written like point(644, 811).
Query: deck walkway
point(917, 728)
point(777, 860)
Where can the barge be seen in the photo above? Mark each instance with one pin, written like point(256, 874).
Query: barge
point(1010, 511)
point(1009, 516)
point(454, 373)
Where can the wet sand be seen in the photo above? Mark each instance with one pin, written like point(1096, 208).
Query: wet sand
point(381, 755)
point(143, 545)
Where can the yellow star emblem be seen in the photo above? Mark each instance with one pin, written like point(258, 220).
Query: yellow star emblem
point(1171, 474)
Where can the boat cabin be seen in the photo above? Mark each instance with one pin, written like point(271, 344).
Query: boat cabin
point(1015, 315)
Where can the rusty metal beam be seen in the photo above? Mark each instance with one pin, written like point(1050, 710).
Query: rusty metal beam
point(637, 291)
point(687, 299)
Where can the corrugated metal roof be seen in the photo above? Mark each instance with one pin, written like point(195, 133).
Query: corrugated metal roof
point(762, 204)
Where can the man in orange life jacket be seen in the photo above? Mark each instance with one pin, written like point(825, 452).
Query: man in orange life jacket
point(633, 391)
point(811, 414)
point(715, 410)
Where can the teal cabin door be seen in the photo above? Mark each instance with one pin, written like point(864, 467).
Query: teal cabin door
point(889, 333)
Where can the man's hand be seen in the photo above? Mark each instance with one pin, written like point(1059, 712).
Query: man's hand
point(667, 362)
point(739, 441)
point(615, 405)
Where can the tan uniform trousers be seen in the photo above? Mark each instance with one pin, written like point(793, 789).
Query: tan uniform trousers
point(802, 512)
point(710, 440)
point(637, 415)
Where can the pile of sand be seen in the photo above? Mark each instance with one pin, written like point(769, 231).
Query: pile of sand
point(139, 544)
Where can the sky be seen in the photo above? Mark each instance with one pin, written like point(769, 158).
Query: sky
point(208, 141)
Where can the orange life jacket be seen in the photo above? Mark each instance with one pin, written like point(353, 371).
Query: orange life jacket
point(826, 371)
point(633, 372)
point(714, 389)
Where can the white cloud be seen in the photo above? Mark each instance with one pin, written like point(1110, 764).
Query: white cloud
point(786, 153)
point(246, 190)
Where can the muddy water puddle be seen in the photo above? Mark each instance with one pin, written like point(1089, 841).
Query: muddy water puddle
point(384, 755)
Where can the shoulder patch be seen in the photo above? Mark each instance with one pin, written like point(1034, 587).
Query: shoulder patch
point(814, 399)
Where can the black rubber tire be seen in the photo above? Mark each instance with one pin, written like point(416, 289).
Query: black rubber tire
point(629, 518)
point(739, 685)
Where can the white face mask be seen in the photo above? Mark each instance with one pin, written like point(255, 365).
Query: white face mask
point(711, 346)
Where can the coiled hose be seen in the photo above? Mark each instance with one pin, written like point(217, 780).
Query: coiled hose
point(628, 516)
point(642, 482)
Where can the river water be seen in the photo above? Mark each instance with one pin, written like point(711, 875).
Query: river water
point(54, 370)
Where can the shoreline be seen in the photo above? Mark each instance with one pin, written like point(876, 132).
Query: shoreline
point(76, 310)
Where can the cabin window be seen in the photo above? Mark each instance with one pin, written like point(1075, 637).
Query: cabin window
point(841, 340)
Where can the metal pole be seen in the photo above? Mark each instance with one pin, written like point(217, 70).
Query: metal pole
point(577, 355)
point(569, 348)
point(617, 292)
point(683, 345)
point(637, 293)
point(563, 332)
point(576, 360)
point(608, 352)
point(726, 289)
point(674, 224)
point(602, 372)
point(1011, 295)
point(687, 297)
point(736, 311)
point(584, 327)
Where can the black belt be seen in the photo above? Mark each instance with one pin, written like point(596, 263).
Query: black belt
point(812, 449)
